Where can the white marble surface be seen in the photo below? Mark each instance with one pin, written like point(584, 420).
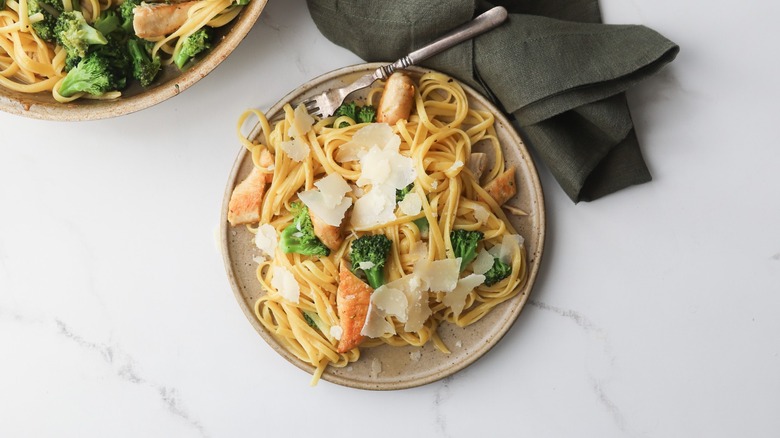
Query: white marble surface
point(655, 314)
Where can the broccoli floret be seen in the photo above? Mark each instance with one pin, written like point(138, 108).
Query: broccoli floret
point(145, 66)
point(464, 244)
point(50, 12)
point(400, 194)
point(374, 249)
point(126, 14)
point(423, 226)
point(115, 54)
point(194, 44)
point(346, 110)
point(76, 35)
point(108, 22)
point(92, 75)
point(497, 272)
point(366, 114)
point(299, 236)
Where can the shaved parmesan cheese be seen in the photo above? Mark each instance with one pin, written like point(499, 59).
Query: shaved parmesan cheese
point(419, 310)
point(411, 204)
point(455, 166)
point(481, 213)
point(435, 185)
point(365, 265)
point(385, 170)
point(456, 299)
point(495, 250)
point(267, 240)
point(482, 263)
point(374, 208)
point(440, 275)
point(391, 301)
point(333, 188)
point(380, 135)
point(420, 250)
point(301, 123)
point(336, 332)
point(415, 355)
point(296, 149)
point(509, 244)
point(316, 201)
point(374, 167)
point(258, 259)
point(376, 325)
point(284, 282)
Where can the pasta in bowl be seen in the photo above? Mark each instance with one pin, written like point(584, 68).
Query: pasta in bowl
point(94, 59)
point(377, 249)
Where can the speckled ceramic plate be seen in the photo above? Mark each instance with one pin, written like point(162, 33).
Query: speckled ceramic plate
point(399, 368)
point(171, 82)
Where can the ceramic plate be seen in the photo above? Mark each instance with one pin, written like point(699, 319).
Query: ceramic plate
point(399, 370)
point(171, 81)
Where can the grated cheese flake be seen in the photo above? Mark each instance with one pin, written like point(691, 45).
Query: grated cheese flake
point(284, 282)
point(365, 265)
point(296, 149)
point(301, 123)
point(328, 202)
point(267, 240)
point(380, 135)
point(391, 302)
point(481, 213)
point(374, 208)
point(439, 275)
point(455, 166)
point(376, 325)
point(456, 299)
point(509, 244)
point(333, 188)
point(482, 263)
point(336, 332)
point(411, 204)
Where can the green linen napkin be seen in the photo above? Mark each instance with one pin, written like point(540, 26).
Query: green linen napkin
point(552, 66)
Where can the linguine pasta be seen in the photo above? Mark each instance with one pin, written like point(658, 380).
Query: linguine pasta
point(438, 137)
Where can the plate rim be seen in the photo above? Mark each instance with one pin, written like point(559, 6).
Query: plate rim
point(474, 355)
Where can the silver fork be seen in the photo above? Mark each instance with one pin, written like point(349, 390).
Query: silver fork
point(325, 104)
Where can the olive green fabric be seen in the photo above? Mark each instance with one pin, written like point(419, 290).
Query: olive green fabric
point(552, 66)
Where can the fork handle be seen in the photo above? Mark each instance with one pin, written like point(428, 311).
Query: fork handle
point(477, 26)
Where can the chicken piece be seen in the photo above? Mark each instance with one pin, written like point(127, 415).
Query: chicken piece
point(160, 19)
point(328, 234)
point(397, 99)
point(244, 204)
point(503, 187)
point(477, 164)
point(352, 298)
point(267, 160)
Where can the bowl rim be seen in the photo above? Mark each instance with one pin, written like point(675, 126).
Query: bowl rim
point(103, 109)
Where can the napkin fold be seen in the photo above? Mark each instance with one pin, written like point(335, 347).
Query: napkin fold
point(552, 66)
